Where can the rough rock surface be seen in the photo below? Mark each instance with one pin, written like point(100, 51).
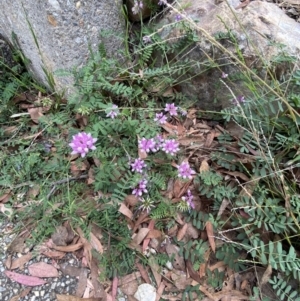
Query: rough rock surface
point(63, 29)
point(258, 27)
point(145, 292)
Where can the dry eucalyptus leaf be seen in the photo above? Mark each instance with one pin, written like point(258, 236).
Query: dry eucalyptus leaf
point(181, 233)
point(42, 269)
point(19, 262)
point(131, 200)
point(82, 283)
point(54, 254)
point(192, 231)
point(74, 298)
point(125, 211)
point(155, 268)
point(60, 236)
point(17, 245)
point(35, 114)
point(70, 270)
point(178, 262)
point(204, 166)
point(180, 279)
point(141, 235)
point(24, 279)
point(96, 244)
point(210, 235)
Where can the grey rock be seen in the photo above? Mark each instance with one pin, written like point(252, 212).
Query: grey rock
point(145, 292)
point(254, 27)
point(54, 34)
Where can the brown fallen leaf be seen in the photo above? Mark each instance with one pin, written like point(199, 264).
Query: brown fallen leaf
point(130, 288)
point(8, 262)
point(87, 248)
point(235, 174)
point(99, 291)
point(153, 234)
point(155, 270)
point(96, 244)
point(223, 206)
point(82, 282)
point(170, 128)
point(35, 114)
point(143, 217)
point(178, 262)
point(210, 138)
point(114, 288)
point(54, 254)
point(131, 200)
point(181, 232)
point(143, 272)
point(70, 248)
point(180, 279)
point(125, 211)
point(140, 236)
point(193, 274)
point(17, 246)
point(210, 235)
point(60, 236)
point(4, 198)
point(204, 166)
point(160, 291)
point(24, 279)
point(73, 298)
point(129, 278)
point(19, 262)
point(52, 20)
point(147, 239)
point(70, 270)
point(42, 269)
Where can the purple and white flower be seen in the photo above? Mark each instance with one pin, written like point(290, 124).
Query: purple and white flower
point(114, 112)
point(141, 188)
point(147, 145)
point(138, 6)
point(239, 100)
point(170, 107)
point(160, 118)
point(170, 147)
point(138, 165)
point(185, 171)
point(159, 140)
point(178, 18)
point(147, 40)
point(189, 199)
point(81, 143)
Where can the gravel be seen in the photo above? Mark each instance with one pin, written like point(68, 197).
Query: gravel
point(64, 284)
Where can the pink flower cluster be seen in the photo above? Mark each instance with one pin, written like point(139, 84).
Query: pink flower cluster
point(169, 146)
point(81, 143)
point(185, 171)
point(189, 199)
point(141, 188)
point(170, 108)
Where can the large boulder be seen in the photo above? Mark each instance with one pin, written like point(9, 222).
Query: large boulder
point(55, 34)
point(259, 29)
